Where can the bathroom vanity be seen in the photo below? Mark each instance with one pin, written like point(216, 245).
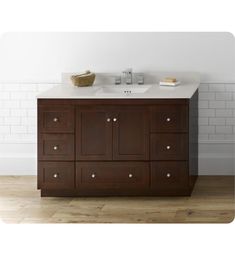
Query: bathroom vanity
point(93, 143)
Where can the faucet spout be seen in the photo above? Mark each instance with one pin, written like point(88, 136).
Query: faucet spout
point(128, 75)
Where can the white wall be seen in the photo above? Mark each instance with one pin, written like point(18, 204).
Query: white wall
point(33, 62)
point(42, 57)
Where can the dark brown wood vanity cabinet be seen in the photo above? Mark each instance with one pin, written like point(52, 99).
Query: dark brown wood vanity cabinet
point(108, 147)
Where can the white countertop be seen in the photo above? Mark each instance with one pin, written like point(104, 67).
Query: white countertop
point(184, 90)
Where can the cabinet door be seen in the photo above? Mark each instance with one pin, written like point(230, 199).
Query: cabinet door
point(93, 133)
point(130, 133)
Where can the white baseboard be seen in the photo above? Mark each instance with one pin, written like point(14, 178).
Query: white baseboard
point(216, 158)
point(18, 159)
point(18, 165)
point(215, 164)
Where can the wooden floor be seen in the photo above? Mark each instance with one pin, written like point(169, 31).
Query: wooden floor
point(212, 201)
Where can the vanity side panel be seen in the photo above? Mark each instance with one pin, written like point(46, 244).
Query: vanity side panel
point(193, 139)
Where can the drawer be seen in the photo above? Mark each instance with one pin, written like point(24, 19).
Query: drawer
point(112, 175)
point(169, 175)
point(169, 118)
point(169, 146)
point(56, 147)
point(56, 119)
point(56, 175)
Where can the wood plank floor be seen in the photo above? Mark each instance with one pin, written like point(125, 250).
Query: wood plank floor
point(212, 201)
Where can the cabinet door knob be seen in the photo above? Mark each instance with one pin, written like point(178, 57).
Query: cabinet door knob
point(55, 119)
point(93, 176)
point(130, 175)
point(55, 148)
point(168, 175)
point(168, 119)
point(168, 147)
point(108, 119)
point(56, 175)
point(114, 119)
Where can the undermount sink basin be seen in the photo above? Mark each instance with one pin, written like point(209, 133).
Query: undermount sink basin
point(124, 89)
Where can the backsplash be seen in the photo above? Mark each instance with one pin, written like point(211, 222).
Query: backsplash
point(18, 113)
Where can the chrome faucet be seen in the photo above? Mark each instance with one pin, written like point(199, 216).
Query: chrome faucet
point(128, 76)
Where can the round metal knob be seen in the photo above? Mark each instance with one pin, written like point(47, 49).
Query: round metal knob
point(55, 148)
point(168, 175)
point(168, 147)
point(55, 175)
point(130, 175)
point(114, 119)
point(55, 119)
point(168, 119)
point(108, 119)
point(93, 176)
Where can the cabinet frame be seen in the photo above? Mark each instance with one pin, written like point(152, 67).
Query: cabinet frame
point(112, 106)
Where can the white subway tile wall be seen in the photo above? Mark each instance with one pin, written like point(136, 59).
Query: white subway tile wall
point(216, 112)
point(18, 114)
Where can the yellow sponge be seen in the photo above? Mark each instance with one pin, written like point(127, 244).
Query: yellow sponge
point(170, 79)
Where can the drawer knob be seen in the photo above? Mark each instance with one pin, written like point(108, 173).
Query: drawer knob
point(55, 119)
point(168, 147)
point(168, 119)
point(108, 119)
point(55, 148)
point(114, 119)
point(130, 175)
point(56, 175)
point(168, 175)
point(93, 176)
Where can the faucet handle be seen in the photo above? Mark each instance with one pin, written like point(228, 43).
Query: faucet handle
point(128, 75)
point(139, 78)
point(118, 80)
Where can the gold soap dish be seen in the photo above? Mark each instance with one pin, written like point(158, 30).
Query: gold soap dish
point(84, 79)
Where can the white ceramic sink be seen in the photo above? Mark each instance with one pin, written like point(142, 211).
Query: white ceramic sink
point(124, 89)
